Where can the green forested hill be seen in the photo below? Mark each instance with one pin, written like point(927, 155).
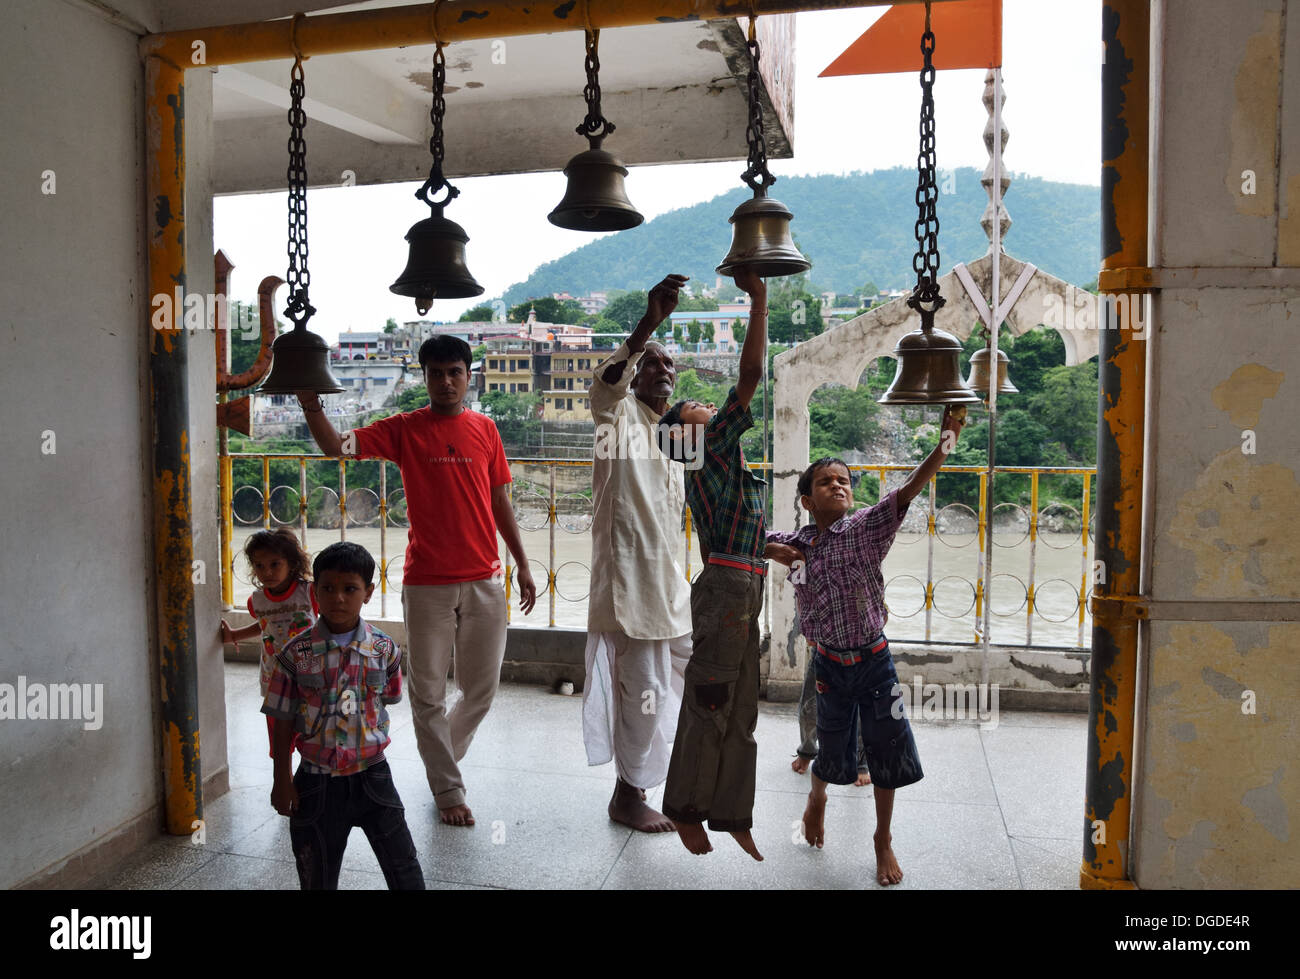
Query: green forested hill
point(855, 228)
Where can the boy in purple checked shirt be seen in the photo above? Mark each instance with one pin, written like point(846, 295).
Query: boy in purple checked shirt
point(841, 597)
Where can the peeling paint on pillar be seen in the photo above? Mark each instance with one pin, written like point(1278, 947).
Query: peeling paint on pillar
point(172, 491)
point(1121, 423)
point(1115, 72)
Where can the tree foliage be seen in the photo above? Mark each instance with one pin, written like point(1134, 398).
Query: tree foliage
point(793, 313)
point(478, 314)
point(627, 309)
point(516, 415)
point(413, 397)
point(549, 310)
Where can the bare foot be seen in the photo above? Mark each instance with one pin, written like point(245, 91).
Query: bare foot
point(887, 869)
point(800, 765)
point(864, 778)
point(747, 844)
point(456, 815)
point(628, 807)
point(694, 838)
point(814, 829)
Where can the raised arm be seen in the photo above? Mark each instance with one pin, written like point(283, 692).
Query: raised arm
point(754, 348)
point(662, 301)
point(922, 474)
point(322, 429)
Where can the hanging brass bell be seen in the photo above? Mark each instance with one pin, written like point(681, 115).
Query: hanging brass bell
point(595, 199)
point(435, 265)
point(929, 371)
point(761, 242)
point(300, 362)
point(979, 374)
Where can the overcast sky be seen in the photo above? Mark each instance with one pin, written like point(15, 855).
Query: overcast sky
point(1051, 76)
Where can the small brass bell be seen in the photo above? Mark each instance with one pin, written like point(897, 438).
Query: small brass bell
point(760, 240)
point(979, 374)
point(928, 370)
point(300, 362)
point(595, 199)
point(435, 265)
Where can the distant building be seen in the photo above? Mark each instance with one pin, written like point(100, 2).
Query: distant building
point(723, 320)
point(565, 396)
point(360, 346)
point(511, 364)
point(559, 371)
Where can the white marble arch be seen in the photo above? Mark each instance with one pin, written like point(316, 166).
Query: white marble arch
point(839, 356)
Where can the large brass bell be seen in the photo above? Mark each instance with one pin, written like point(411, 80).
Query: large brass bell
point(435, 265)
point(761, 242)
point(594, 199)
point(300, 362)
point(928, 370)
point(979, 374)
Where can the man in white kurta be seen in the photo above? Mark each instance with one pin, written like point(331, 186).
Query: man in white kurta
point(639, 611)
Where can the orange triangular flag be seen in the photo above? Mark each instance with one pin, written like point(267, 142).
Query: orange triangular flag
point(968, 34)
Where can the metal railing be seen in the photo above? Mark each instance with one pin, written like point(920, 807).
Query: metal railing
point(554, 510)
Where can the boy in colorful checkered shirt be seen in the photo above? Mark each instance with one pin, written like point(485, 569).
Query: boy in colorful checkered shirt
point(333, 683)
point(840, 591)
point(712, 770)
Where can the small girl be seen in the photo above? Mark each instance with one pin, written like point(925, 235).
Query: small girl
point(284, 604)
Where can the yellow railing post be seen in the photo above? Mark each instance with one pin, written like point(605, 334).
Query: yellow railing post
point(1083, 573)
point(1033, 548)
point(227, 534)
point(982, 522)
point(510, 492)
point(266, 492)
point(343, 500)
point(383, 538)
point(550, 564)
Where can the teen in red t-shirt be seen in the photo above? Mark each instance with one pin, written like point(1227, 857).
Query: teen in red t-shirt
point(456, 481)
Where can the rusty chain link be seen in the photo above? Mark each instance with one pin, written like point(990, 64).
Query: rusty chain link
point(436, 181)
point(299, 309)
point(757, 176)
point(594, 121)
point(926, 261)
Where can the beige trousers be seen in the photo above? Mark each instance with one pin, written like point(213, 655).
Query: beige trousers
point(466, 621)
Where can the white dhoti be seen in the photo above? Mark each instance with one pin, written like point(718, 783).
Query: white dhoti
point(630, 703)
point(639, 607)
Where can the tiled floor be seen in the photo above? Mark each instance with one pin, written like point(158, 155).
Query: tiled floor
point(998, 808)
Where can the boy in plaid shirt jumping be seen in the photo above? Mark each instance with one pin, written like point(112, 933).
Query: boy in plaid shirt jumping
point(841, 598)
point(332, 684)
point(711, 773)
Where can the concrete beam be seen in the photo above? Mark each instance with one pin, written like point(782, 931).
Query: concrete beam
point(684, 124)
point(356, 103)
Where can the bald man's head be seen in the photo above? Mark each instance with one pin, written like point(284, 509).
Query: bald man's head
point(656, 377)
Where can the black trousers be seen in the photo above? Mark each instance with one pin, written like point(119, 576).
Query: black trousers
point(329, 806)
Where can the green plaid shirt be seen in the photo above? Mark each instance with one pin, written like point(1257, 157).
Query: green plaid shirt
point(726, 499)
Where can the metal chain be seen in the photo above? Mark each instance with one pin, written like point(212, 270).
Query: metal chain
point(299, 309)
point(436, 181)
point(591, 92)
point(926, 261)
point(757, 176)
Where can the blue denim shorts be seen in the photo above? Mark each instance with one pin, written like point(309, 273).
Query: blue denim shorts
point(865, 693)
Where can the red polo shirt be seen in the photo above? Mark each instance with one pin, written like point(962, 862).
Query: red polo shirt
point(449, 466)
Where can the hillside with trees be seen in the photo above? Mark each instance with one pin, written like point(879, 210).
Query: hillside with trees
point(856, 228)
